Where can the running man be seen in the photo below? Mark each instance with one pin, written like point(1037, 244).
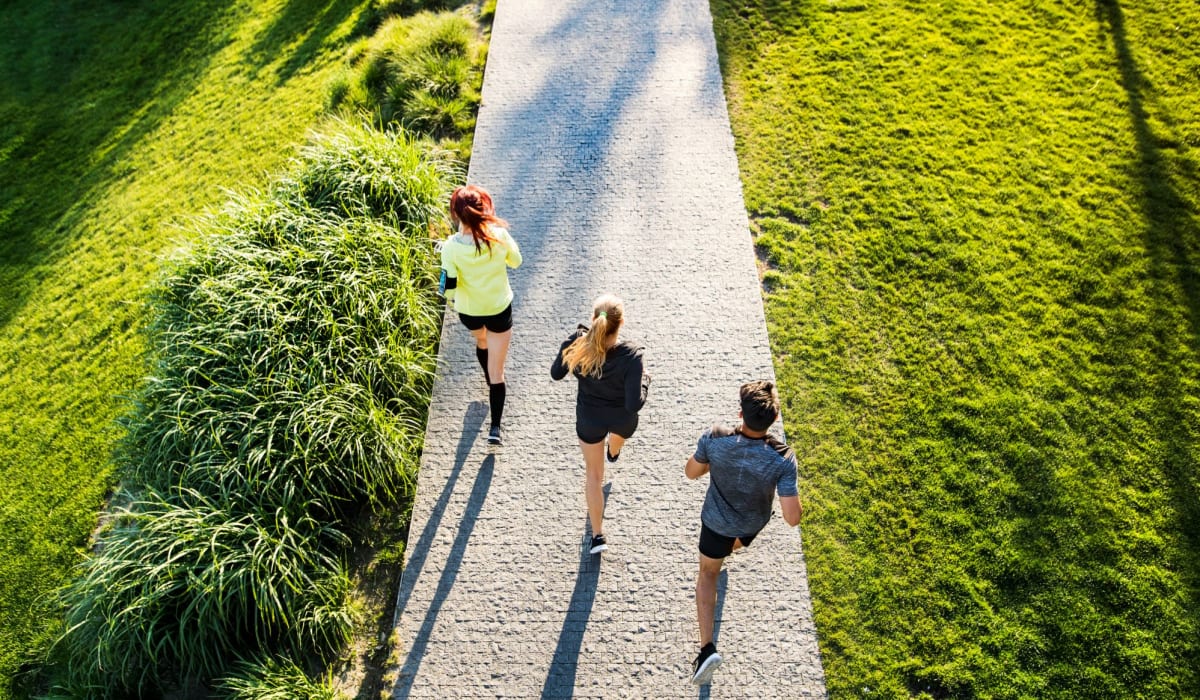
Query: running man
point(746, 468)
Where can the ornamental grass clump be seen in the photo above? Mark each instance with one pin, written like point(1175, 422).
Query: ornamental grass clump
point(295, 355)
point(182, 581)
point(423, 71)
point(348, 172)
point(273, 679)
point(295, 344)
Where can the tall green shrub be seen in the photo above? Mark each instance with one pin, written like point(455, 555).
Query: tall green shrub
point(295, 345)
point(295, 354)
point(349, 171)
point(182, 582)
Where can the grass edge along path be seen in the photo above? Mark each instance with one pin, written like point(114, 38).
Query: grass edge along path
point(978, 226)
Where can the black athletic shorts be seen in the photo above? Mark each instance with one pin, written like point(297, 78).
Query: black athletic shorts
point(496, 323)
point(592, 425)
point(717, 546)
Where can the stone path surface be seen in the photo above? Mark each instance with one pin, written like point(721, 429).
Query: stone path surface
point(605, 141)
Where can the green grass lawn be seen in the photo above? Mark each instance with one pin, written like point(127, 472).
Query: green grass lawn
point(980, 225)
point(118, 122)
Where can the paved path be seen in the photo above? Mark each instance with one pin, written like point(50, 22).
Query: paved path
point(605, 141)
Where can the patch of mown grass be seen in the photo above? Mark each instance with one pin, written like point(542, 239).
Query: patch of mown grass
point(121, 123)
point(117, 122)
point(979, 227)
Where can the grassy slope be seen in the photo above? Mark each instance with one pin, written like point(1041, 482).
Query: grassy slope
point(117, 120)
point(986, 319)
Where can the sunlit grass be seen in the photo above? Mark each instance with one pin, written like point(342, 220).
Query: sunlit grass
point(121, 125)
point(274, 680)
point(423, 72)
point(118, 123)
point(980, 242)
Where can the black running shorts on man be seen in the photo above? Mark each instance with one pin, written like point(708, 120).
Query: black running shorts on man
point(714, 545)
point(744, 475)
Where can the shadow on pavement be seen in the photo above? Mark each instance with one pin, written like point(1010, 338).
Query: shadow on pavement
point(479, 490)
point(560, 681)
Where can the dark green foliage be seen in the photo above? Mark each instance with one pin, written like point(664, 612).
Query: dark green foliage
point(273, 679)
point(980, 228)
point(181, 583)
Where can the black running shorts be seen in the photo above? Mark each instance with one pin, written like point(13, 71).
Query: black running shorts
point(496, 323)
point(718, 546)
point(592, 425)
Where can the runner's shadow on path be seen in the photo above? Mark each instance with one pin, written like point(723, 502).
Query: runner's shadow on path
point(472, 422)
point(560, 681)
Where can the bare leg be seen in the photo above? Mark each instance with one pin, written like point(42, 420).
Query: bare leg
point(480, 337)
point(615, 443)
point(593, 459)
point(706, 596)
point(497, 345)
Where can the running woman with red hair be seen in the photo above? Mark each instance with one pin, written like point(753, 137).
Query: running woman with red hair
point(475, 263)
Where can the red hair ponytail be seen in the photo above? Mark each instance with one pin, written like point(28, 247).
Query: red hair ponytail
point(471, 206)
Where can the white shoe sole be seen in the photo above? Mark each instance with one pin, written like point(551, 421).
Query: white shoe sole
point(704, 674)
point(597, 550)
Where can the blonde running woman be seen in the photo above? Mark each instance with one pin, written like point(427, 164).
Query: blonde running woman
point(475, 264)
point(612, 389)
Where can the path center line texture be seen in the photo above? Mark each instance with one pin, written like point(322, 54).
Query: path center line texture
point(604, 139)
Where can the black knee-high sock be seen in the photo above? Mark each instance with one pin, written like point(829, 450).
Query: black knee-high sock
point(481, 355)
point(496, 394)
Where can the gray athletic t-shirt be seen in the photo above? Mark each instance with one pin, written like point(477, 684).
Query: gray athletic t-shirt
point(745, 473)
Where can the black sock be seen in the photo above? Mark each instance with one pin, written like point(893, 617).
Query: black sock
point(496, 394)
point(481, 355)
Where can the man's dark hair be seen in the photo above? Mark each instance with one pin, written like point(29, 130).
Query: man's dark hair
point(760, 405)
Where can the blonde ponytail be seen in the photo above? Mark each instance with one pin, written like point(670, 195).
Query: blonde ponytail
point(586, 354)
